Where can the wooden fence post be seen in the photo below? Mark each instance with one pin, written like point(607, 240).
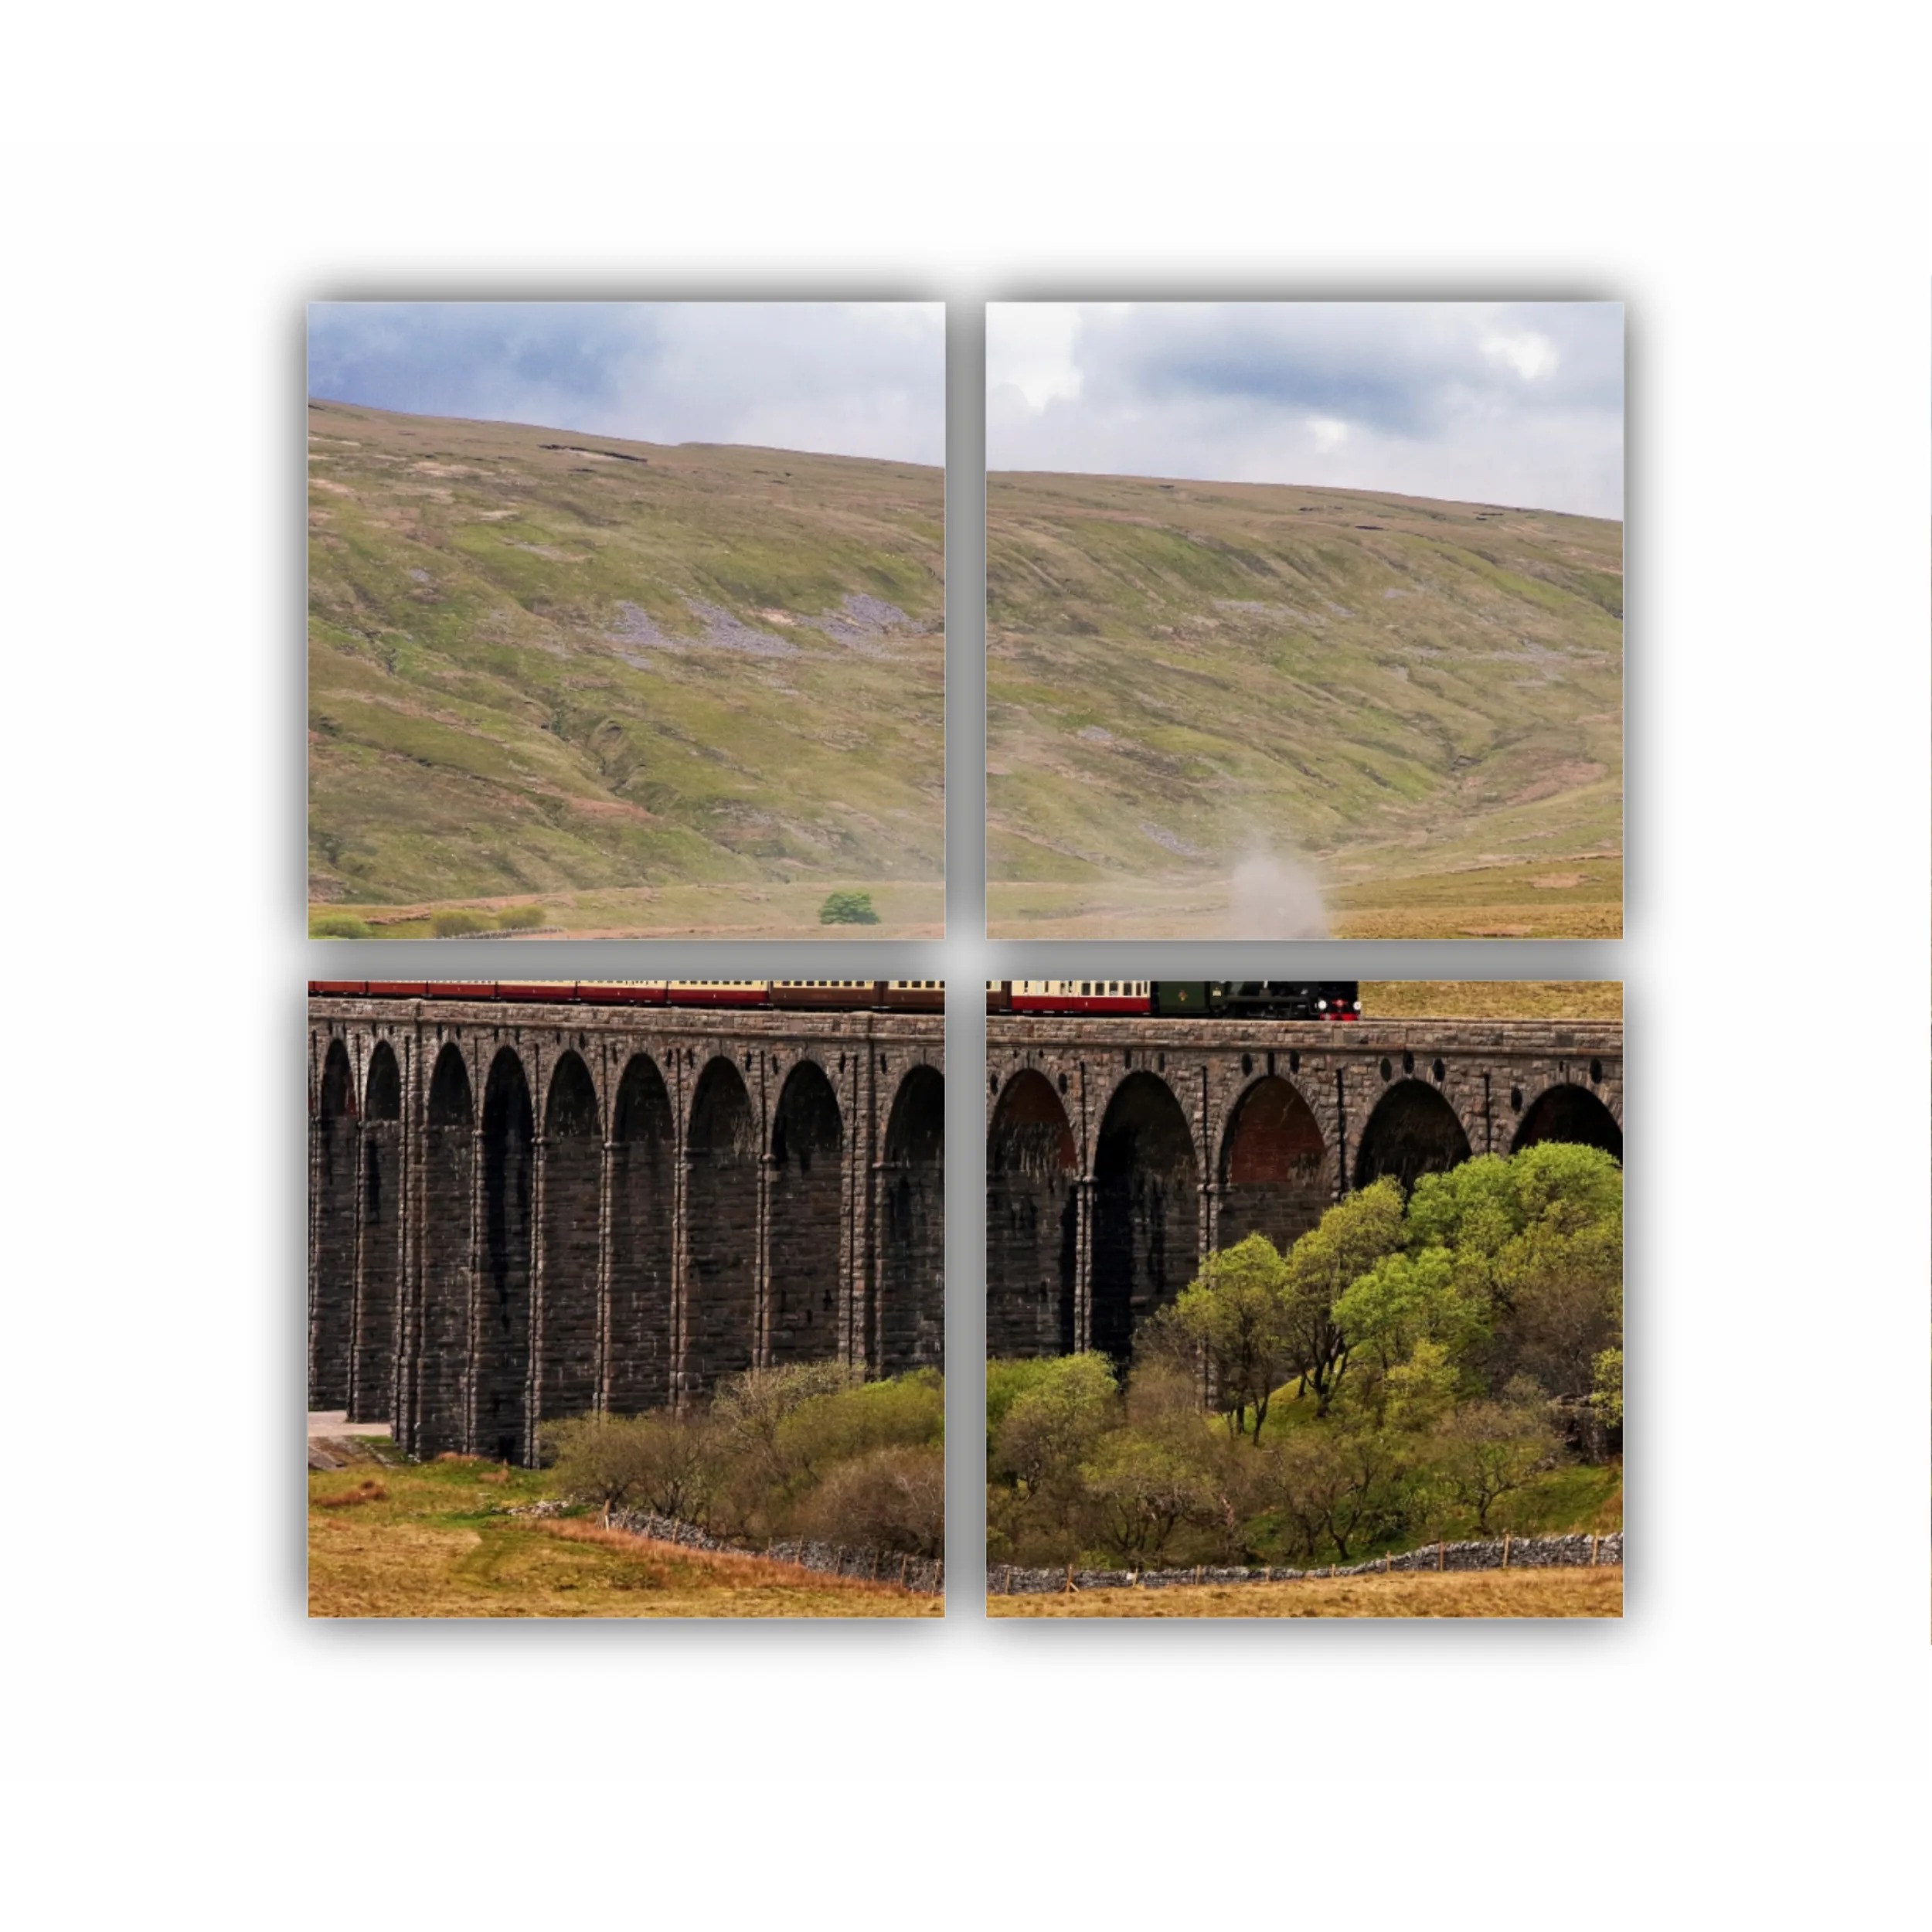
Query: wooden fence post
point(1505, 1549)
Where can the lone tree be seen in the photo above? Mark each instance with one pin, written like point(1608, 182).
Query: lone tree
point(849, 909)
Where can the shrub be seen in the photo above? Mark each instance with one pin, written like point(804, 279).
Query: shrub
point(455, 921)
point(660, 1461)
point(338, 925)
point(1053, 1424)
point(849, 909)
point(908, 1412)
point(519, 919)
point(893, 1498)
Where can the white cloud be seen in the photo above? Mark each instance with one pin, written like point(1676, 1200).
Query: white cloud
point(1031, 353)
point(1531, 355)
point(1484, 402)
point(855, 378)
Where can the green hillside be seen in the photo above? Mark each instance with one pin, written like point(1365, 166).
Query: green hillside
point(652, 689)
point(1420, 701)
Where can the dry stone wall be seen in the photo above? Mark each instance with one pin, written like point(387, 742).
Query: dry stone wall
point(1517, 1553)
point(927, 1575)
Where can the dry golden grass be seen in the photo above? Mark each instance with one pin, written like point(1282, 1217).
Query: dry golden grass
point(1489, 1593)
point(368, 1490)
point(1491, 904)
point(1478, 921)
point(1492, 999)
point(435, 1542)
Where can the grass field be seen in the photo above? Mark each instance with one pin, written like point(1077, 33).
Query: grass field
point(907, 909)
point(1601, 999)
point(394, 1539)
point(1419, 703)
point(1492, 1592)
point(651, 689)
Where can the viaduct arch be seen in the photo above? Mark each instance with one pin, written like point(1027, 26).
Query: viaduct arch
point(1120, 1150)
point(518, 1214)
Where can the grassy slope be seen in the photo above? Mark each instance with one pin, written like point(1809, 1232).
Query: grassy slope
point(437, 1543)
point(1423, 699)
point(511, 693)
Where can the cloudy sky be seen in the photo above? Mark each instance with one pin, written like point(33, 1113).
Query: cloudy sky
point(852, 379)
point(1516, 403)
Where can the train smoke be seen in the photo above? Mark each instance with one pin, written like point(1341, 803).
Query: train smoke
point(1273, 897)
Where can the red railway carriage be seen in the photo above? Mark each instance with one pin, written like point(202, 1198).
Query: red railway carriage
point(843, 995)
point(1081, 996)
point(720, 992)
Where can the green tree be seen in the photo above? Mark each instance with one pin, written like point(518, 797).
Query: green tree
point(1486, 1450)
point(1348, 1241)
point(1236, 1313)
point(1418, 1394)
point(1536, 1240)
point(1607, 1387)
point(1054, 1422)
point(1144, 1491)
point(848, 909)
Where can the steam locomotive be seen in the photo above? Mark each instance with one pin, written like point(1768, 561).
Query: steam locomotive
point(1323, 999)
point(843, 995)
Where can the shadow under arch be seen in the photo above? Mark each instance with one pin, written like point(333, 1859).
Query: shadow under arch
point(1413, 1132)
point(434, 1357)
point(721, 1229)
point(910, 1325)
point(501, 1334)
point(371, 1388)
point(1572, 1113)
point(564, 1338)
point(1276, 1178)
point(331, 1278)
point(808, 1219)
point(1031, 1221)
point(643, 1229)
point(1146, 1210)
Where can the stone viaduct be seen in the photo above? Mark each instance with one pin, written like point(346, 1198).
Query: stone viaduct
point(518, 1212)
point(1119, 1151)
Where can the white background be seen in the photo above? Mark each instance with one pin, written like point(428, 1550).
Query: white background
point(1750, 1745)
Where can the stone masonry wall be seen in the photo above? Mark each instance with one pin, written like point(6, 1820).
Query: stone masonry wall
point(1093, 1204)
point(1516, 1552)
point(610, 1208)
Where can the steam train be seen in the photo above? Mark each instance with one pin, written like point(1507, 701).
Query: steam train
point(843, 995)
point(1324, 999)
